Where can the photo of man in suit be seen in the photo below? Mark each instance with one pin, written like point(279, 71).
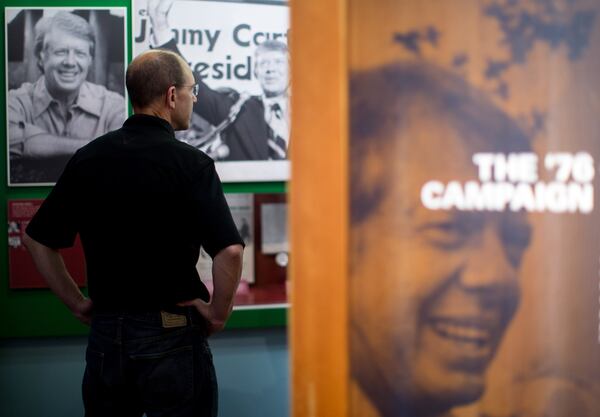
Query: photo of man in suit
point(251, 127)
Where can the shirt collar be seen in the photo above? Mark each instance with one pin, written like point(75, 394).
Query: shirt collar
point(86, 100)
point(151, 124)
point(41, 97)
point(281, 100)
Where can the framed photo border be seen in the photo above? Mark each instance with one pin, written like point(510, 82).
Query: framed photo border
point(238, 171)
point(68, 8)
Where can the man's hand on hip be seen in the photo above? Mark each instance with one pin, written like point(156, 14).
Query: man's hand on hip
point(82, 310)
point(215, 323)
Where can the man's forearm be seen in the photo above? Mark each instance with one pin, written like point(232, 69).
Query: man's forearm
point(47, 145)
point(50, 264)
point(226, 270)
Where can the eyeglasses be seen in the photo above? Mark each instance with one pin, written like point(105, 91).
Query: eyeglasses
point(195, 88)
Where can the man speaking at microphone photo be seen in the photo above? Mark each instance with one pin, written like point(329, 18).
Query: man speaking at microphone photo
point(260, 126)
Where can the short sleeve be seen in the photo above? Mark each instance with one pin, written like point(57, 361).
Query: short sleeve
point(214, 224)
point(55, 223)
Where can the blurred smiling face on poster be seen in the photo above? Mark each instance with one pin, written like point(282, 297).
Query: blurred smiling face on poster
point(432, 291)
point(439, 323)
point(272, 68)
point(66, 53)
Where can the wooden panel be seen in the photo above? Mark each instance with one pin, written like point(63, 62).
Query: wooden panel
point(318, 207)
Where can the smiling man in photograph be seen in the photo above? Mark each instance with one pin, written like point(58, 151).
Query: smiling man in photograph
point(60, 112)
point(432, 291)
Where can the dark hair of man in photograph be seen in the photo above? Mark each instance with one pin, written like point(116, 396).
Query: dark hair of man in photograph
point(271, 45)
point(150, 77)
point(67, 22)
point(387, 99)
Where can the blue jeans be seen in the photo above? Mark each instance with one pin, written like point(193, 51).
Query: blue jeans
point(134, 365)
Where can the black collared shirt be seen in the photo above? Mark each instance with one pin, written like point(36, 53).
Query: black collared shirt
point(143, 203)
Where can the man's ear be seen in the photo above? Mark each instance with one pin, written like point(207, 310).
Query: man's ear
point(171, 93)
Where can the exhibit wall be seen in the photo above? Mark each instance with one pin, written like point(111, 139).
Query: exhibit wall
point(29, 309)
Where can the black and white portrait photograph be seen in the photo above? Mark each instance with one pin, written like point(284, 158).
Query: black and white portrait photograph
point(65, 81)
point(239, 55)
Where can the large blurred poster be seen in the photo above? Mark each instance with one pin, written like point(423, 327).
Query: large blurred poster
point(238, 51)
point(474, 248)
point(65, 82)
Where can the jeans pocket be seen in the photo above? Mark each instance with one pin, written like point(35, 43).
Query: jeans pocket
point(94, 362)
point(207, 387)
point(165, 378)
point(93, 386)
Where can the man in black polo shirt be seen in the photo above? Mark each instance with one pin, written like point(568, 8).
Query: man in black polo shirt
point(144, 203)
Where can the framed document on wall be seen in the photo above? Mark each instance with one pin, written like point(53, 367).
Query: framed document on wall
point(264, 270)
point(22, 271)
